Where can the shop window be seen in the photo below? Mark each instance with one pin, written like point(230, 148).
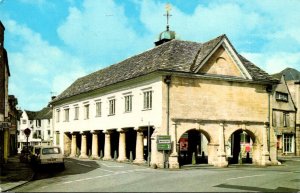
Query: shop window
point(288, 143)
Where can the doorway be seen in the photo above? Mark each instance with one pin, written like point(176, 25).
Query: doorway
point(193, 148)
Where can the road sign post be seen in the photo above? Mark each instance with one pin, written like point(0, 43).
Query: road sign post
point(164, 144)
point(27, 132)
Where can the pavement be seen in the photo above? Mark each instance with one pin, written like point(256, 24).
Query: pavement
point(14, 174)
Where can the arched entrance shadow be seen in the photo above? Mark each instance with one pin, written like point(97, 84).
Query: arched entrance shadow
point(193, 147)
point(240, 147)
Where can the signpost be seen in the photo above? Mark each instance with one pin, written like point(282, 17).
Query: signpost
point(27, 132)
point(164, 144)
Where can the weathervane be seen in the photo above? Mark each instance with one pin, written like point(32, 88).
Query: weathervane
point(168, 9)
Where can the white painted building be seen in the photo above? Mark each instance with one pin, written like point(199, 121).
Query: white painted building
point(178, 88)
point(40, 124)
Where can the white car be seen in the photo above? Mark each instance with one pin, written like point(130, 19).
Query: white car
point(48, 155)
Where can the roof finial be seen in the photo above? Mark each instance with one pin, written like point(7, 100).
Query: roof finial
point(168, 9)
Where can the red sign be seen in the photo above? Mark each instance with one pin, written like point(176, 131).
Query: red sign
point(247, 147)
point(183, 143)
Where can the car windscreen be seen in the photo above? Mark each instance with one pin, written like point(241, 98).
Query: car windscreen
point(50, 150)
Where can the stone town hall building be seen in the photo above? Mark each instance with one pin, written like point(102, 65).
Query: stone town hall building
point(204, 94)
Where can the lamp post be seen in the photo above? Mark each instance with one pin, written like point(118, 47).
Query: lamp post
point(148, 148)
point(27, 132)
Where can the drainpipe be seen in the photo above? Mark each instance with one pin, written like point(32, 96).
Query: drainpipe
point(295, 135)
point(269, 90)
point(167, 80)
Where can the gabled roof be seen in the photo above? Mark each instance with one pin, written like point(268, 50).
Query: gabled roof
point(31, 114)
point(289, 74)
point(205, 50)
point(175, 56)
point(45, 113)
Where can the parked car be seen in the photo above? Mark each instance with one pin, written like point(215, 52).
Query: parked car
point(47, 155)
point(26, 153)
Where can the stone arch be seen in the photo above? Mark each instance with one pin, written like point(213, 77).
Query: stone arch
point(242, 150)
point(193, 146)
point(248, 131)
point(204, 132)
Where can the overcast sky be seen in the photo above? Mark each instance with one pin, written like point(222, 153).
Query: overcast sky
point(51, 43)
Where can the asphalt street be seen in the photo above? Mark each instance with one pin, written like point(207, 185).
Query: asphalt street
point(109, 176)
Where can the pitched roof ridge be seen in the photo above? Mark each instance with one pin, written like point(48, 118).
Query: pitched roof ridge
point(129, 58)
point(215, 41)
point(220, 37)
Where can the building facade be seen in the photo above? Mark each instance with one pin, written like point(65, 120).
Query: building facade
point(292, 141)
point(4, 105)
point(43, 121)
point(199, 99)
point(13, 117)
point(294, 88)
point(284, 119)
point(40, 124)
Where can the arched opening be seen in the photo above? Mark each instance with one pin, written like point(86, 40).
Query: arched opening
point(240, 147)
point(193, 147)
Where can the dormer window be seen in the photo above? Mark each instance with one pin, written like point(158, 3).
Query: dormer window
point(282, 96)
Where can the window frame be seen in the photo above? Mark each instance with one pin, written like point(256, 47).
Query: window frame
point(280, 96)
point(128, 103)
point(57, 115)
point(286, 119)
point(111, 107)
point(76, 112)
point(98, 109)
point(86, 111)
point(67, 115)
point(148, 100)
point(288, 143)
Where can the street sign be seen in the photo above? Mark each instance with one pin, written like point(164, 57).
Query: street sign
point(27, 132)
point(163, 142)
point(5, 125)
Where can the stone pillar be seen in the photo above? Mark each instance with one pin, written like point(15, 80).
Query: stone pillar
point(139, 150)
point(95, 145)
point(67, 144)
point(265, 154)
point(83, 146)
point(6, 145)
point(73, 145)
point(107, 148)
point(122, 146)
point(173, 159)
point(221, 150)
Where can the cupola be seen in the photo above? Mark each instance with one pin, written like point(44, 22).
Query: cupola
point(167, 35)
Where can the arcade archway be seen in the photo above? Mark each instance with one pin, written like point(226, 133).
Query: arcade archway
point(240, 147)
point(193, 147)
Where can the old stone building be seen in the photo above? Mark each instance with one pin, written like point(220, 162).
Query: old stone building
point(4, 118)
point(289, 136)
point(284, 118)
point(13, 117)
point(202, 99)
